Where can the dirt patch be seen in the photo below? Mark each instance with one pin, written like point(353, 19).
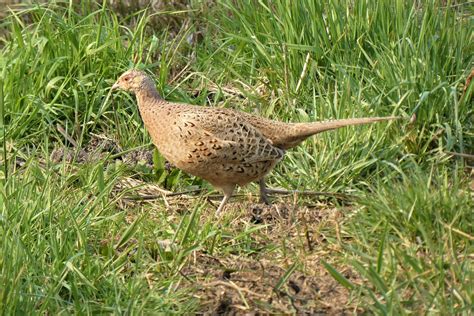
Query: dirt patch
point(283, 274)
point(99, 148)
point(275, 281)
point(235, 285)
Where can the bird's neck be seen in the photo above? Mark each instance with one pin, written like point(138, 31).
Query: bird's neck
point(148, 96)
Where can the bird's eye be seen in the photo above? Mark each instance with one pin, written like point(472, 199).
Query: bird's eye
point(126, 79)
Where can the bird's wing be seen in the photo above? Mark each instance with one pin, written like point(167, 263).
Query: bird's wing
point(223, 137)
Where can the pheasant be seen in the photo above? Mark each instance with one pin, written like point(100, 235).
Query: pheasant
point(223, 146)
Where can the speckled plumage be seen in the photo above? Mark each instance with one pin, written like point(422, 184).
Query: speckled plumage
point(223, 146)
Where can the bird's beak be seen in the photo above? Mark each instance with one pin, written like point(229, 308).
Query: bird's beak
point(115, 86)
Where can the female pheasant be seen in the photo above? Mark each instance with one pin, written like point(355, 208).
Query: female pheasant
point(223, 146)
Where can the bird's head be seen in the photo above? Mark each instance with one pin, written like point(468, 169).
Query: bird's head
point(133, 81)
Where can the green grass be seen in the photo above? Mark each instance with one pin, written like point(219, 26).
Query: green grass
point(71, 243)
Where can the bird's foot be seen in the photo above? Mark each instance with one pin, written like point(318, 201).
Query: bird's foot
point(264, 192)
point(264, 198)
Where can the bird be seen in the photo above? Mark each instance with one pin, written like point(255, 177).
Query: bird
point(226, 147)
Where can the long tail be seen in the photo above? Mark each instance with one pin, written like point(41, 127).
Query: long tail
point(297, 132)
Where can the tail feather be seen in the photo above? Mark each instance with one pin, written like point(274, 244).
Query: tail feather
point(319, 127)
point(300, 131)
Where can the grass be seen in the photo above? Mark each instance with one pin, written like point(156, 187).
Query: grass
point(72, 240)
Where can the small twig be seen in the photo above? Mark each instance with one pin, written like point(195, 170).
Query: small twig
point(468, 156)
point(124, 152)
point(338, 195)
point(143, 197)
point(186, 277)
point(208, 199)
point(180, 73)
point(308, 238)
point(338, 232)
point(103, 137)
point(66, 135)
point(165, 201)
point(161, 196)
point(459, 232)
point(303, 73)
point(184, 192)
point(220, 196)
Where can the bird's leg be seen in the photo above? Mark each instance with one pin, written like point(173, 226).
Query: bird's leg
point(227, 194)
point(263, 192)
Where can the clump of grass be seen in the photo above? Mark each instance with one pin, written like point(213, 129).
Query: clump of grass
point(412, 241)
